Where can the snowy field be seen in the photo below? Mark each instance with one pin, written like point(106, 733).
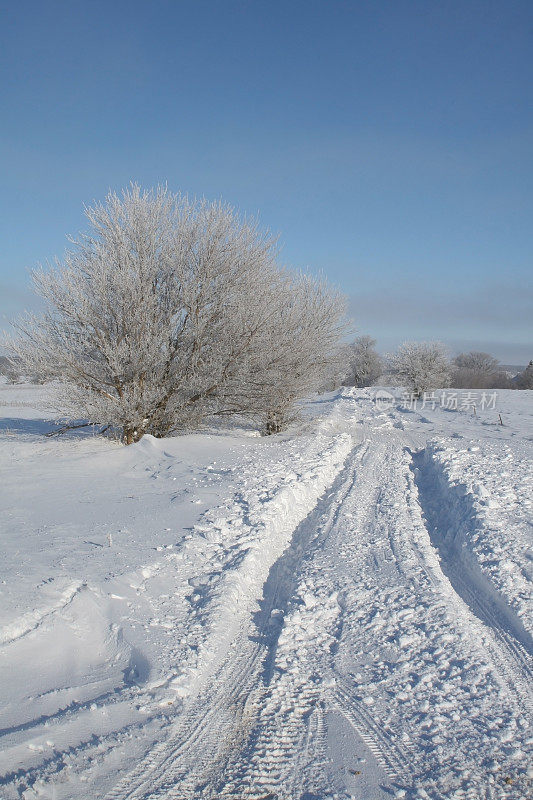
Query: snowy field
point(344, 611)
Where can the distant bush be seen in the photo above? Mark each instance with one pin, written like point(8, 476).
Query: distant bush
point(364, 364)
point(421, 366)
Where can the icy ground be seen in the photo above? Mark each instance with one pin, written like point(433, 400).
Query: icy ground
point(340, 612)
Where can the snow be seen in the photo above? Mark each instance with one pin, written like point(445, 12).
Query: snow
point(491, 516)
point(342, 611)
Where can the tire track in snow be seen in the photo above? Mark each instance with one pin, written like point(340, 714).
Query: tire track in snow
point(368, 501)
point(288, 751)
point(383, 515)
point(512, 660)
point(232, 745)
point(218, 721)
point(217, 769)
point(392, 519)
point(393, 757)
point(506, 639)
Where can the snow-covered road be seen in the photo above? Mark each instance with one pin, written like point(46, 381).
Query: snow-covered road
point(351, 618)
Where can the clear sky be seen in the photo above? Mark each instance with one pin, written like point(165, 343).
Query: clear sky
point(388, 143)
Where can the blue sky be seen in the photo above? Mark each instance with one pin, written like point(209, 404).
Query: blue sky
point(388, 143)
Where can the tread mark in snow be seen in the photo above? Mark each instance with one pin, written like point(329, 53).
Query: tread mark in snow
point(220, 719)
point(506, 638)
point(391, 756)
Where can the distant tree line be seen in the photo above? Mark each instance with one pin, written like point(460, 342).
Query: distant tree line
point(425, 366)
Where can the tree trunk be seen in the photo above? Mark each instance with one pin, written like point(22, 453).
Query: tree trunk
point(274, 424)
point(132, 435)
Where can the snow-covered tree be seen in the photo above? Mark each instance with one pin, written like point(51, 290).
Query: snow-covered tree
point(298, 349)
point(335, 373)
point(421, 366)
point(364, 363)
point(159, 315)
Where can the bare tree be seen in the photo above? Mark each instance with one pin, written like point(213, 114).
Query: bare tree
point(477, 361)
point(478, 370)
point(159, 315)
point(421, 366)
point(365, 365)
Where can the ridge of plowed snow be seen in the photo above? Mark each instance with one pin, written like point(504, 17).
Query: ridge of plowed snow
point(490, 514)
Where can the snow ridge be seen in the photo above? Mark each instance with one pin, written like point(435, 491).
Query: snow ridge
point(490, 519)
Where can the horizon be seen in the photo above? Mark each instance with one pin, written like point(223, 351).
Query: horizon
point(388, 144)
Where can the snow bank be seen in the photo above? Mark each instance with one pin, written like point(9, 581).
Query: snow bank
point(66, 661)
point(247, 537)
point(487, 490)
